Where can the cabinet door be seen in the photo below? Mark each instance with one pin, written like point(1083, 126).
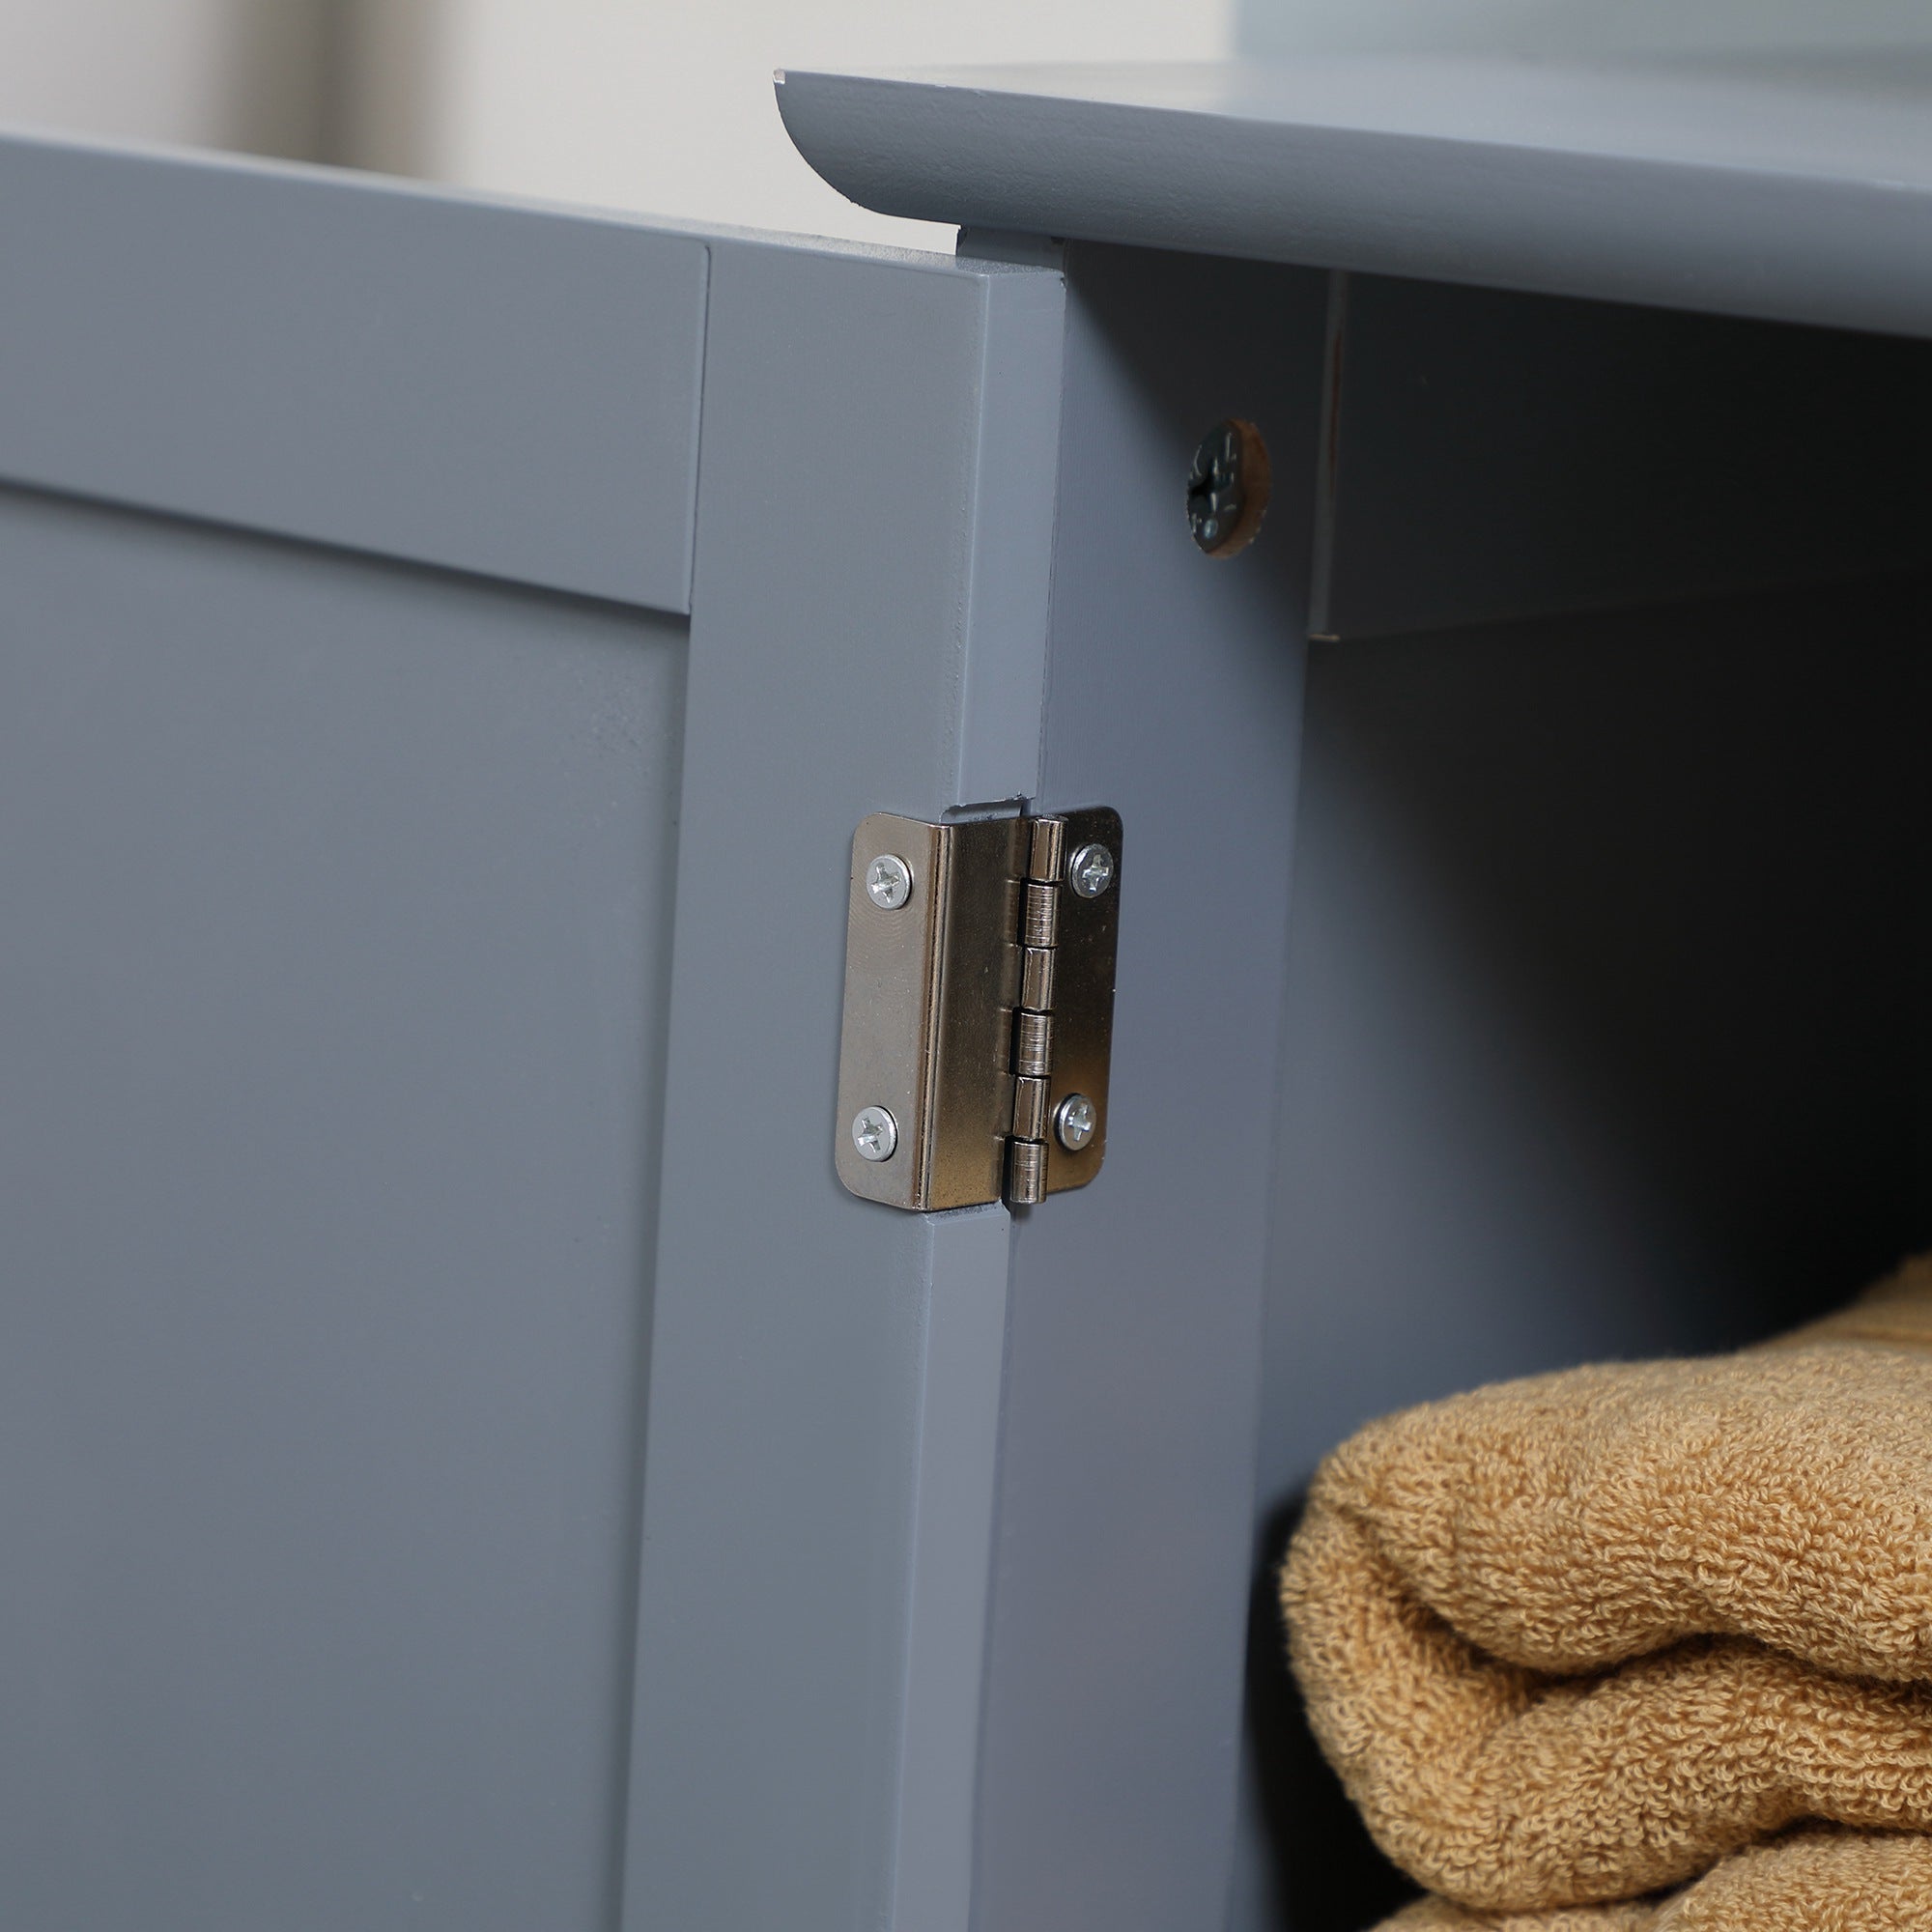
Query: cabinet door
point(344, 568)
point(469, 1464)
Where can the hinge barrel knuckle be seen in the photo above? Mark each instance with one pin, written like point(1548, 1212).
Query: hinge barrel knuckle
point(1046, 850)
point(1037, 979)
point(1033, 1045)
point(1026, 1174)
point(1039, 916)
point(1029, 1108)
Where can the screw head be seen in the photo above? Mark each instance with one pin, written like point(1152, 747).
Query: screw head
point(1215, 496)
point(874, 1133)
point(1228, 488)
point(889, 883)
point(1074, 1121)
point(1091, 871)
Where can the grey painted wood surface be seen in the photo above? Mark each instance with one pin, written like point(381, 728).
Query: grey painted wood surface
point(342, 998)
point(842, 593)
point(1285, 31)
point(506, 391)
point(1797, 188)
point(1605, 989)
point(826, 1373)
point(1603, 1037)
point(333, 978)
point(1491, 455)
point(1108, 1775)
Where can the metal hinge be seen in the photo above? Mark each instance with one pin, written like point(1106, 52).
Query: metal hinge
point(979, 1007)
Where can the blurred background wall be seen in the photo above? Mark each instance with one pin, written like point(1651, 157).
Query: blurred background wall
point(665, 106)
point(659, 105)
point(224, 73)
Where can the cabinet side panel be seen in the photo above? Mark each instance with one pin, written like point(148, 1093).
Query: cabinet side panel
point(1108, 1780)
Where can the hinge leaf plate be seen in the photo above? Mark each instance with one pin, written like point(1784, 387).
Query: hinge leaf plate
point(979, 1004)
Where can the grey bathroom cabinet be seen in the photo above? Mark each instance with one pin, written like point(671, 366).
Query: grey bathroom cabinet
point(467, 1463)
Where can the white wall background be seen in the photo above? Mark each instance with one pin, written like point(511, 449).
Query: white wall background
point(667, 104)
point(224, 73)
point(659, 105)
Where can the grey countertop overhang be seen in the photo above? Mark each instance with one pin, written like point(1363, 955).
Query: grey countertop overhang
point(1798, 187)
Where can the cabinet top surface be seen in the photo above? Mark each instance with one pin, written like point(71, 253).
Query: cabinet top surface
point(1795, 186)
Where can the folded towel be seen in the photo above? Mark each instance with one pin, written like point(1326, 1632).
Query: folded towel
point(1581, 1639)
point(1811, 1882)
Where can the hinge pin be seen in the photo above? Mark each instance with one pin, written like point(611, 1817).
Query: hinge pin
point(1033, 1024)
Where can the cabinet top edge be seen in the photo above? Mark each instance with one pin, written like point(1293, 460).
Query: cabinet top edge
point(1796, 187)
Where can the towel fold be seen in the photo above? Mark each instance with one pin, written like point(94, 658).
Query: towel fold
point(1811, 1882)
point(1584, 1637)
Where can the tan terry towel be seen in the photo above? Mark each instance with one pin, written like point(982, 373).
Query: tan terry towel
point(1811, 1882)
point(1581, 1637)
